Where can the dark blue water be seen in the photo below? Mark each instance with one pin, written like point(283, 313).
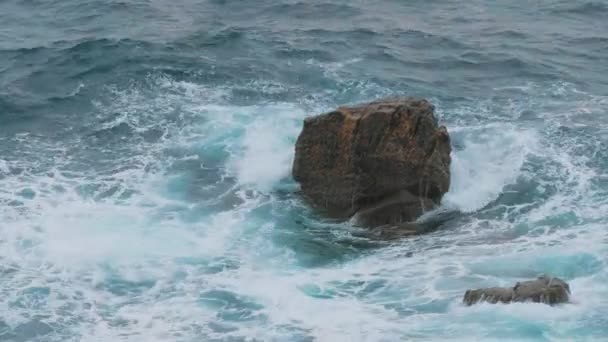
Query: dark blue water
point(145, 154)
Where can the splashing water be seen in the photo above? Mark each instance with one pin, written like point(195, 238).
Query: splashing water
point(145, 188)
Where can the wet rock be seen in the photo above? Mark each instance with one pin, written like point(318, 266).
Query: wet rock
point(491, 295)
point(384, 162)
point(395, 232)
point(545, 289)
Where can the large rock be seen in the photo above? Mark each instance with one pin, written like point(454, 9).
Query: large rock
point(547, 290)
point(385, 162)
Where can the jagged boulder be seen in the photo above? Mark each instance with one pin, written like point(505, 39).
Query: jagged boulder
point(385, 162)
point(547, 290)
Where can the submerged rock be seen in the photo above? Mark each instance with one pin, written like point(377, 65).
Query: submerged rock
point(384, 162)
point(547, 290)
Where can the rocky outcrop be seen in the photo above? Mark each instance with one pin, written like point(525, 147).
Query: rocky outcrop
point(547, 290)
point(384, 162)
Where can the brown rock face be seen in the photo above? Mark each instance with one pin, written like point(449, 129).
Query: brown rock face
point(386, 161)
point(547, 290)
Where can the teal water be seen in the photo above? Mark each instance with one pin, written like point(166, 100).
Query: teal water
point(145, 154)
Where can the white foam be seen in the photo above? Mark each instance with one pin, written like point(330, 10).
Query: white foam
point(490, 158)
point(4, 166)
point(76, 245)
point(267, 146)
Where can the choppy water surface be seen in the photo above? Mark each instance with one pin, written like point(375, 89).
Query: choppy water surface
point(145, 154)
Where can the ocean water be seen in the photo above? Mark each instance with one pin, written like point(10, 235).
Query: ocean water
point(146, 147)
